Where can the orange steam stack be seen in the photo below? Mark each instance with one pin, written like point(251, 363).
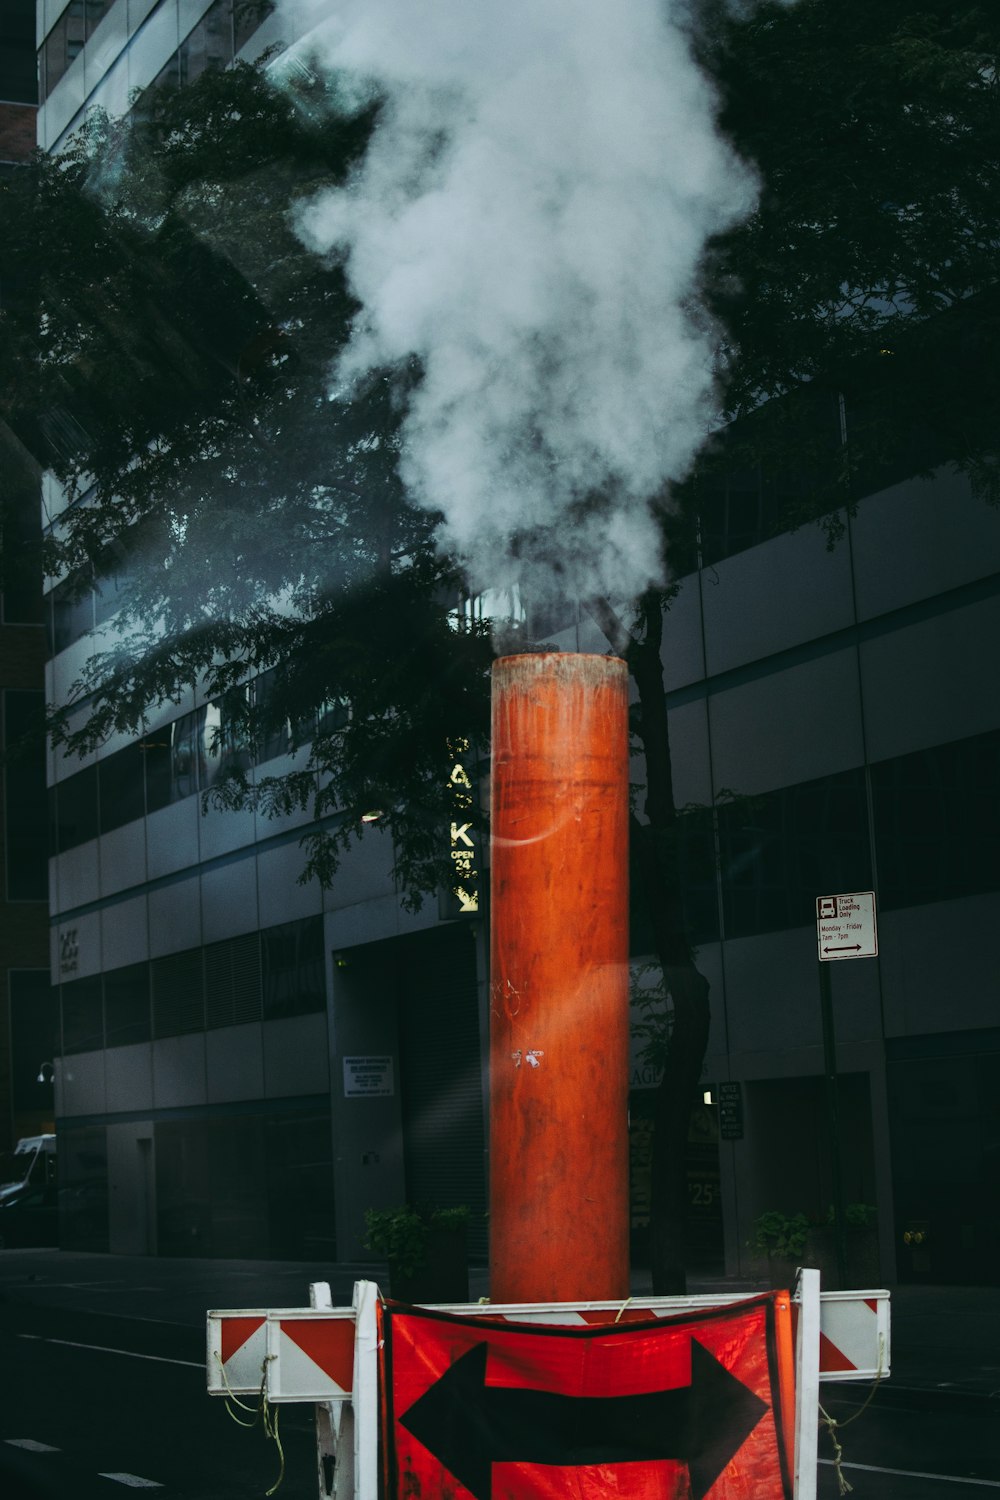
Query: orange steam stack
point(559, 986)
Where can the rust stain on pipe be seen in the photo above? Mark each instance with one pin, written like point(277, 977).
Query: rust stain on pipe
point(559, 979)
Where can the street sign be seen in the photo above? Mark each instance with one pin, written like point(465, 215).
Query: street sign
point(845, 926)
point(730, 1111)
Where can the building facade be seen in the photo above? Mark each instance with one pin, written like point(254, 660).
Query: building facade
point(247, 1063)
point(27, 1006)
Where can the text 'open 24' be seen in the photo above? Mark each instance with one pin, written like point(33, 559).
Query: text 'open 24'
point(687, 1408)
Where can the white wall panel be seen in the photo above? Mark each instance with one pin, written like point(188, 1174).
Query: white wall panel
point(62, 104)
point(81, 937)
point(933, 681)
point(235, 1061)
point(789, 726)
point(368, 921)
point(175, 917)
point(296, 1056)
point(104, 46)
point(777, 595)
point(125, 932)
point(78, 874)
point(123, 857)
point(154, 45)
point(179, 1071)
point(172, 838)
point(221, 832)
point(921, 538)
point(129, 1073)
point(365, 871)
point(83, 1085)
point(282, 899)
point(138, 10)
point(229, 900)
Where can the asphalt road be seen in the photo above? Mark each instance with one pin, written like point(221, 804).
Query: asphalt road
point(94, 1406)
point(97, 1407)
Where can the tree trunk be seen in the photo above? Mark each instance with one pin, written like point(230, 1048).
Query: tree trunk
point(687, 989)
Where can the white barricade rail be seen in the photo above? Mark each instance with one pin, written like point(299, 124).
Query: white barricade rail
point(328, 1356)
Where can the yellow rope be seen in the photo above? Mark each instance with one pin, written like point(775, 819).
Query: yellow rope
point(264, 1413)
point(831, 1423)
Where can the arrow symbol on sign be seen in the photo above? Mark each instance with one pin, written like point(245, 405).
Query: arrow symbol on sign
point(845, 948)
point(469, 1426)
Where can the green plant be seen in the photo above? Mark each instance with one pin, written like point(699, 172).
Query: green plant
point(780, 1234)
point(859, 1215)
point(401, 1234)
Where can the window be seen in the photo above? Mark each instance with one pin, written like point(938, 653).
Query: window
point(126, 1005)
point(25, 797)
point(232, 981)
point(120, 788)
point(294, 978)
point(72, 614)
point(225, 741)
point(937, 822)
point(208, 45)
point(34, 1039)
point(82, 1015)
point(65, 41)
point(170, 757)
point(74, 809)
point(781, 850)
point(178, 994)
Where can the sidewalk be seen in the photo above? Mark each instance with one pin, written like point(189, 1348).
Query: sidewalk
point(945, 1340)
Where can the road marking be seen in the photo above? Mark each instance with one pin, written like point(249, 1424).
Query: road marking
point(135, 1481)
point(991, 1484)
point(160, 1359)
point(31, 1445)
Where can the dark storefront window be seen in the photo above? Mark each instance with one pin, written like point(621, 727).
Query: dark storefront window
point(298, 1152)
point(937, 822)
point(781, 850)
point(83, 1188)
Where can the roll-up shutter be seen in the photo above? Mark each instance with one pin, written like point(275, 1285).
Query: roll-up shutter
point(440, 1076)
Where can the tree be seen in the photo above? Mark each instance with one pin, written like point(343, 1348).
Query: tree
point(180, 388)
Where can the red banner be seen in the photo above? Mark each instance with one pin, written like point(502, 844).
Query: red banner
point(684, 1408)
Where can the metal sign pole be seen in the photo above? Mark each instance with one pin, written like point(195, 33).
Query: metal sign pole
point(830, 1069)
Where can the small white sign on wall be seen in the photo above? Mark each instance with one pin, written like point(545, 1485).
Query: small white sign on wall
point(368, 1077)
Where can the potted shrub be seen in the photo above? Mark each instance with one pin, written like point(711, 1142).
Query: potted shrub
point(425, 1249)
point(860, 1244)
point(790, 1241)
point(782, 1238)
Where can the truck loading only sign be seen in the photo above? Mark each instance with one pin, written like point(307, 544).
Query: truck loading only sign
point(845, 926)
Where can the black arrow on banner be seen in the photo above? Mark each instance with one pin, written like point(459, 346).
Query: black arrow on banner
point(469, 1426)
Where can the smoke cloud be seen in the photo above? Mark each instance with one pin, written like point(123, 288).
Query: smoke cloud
point(527, 223)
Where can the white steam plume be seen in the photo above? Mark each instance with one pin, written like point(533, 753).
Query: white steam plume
point(527, 222)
